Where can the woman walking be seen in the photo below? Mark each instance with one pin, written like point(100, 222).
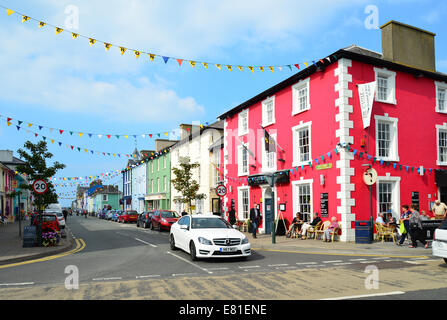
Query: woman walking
point(416, 228)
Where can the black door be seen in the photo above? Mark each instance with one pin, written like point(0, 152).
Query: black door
point(443, 194)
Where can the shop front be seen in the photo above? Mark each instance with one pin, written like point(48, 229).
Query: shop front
point(157, 201)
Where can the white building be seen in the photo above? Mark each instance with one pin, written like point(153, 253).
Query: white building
point(195, 143)
point(138, 181)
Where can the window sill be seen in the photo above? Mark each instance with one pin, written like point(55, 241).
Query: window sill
point(264, 125)
point(392, 101)
point(298, 164)
point(439, 163)
point(440, 111)
point(294, 112)
point(396, 159)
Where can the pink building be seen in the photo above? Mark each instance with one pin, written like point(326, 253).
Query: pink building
point(323, 148)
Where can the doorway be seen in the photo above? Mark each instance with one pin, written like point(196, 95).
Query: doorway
point(268, 210)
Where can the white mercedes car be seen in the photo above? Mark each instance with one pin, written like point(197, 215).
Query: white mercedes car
point(439, 245)
point(208, 236)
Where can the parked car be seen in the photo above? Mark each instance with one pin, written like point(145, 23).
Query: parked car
point(103, 214)
point(50, 222)
point(128, 216)
point(115, 216)
point(439, 245)
point(110, 215)
point(144, 219)
point(163, 219)
point(59, 215)
point(208, 236)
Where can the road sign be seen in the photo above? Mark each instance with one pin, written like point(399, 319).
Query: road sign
point(40, 186)
point(221, 190)
point(370, 176)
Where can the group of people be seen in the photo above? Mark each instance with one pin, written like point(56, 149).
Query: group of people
point(411, 222)
point(302, 228)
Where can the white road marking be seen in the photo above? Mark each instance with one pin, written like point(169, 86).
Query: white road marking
point(306, 263)
point(152, 245)
point(316, 266)
point(249, 267)
point(278, 265)
point(183, 274)
point(17, 284)
point(368, 261)
point(150, 276)
point(191, 263)
point(381, 258)
point(342, 263)
point(333, 261)
point(357, 259)
point(366, 295)
point(106, 279)
point(216, 269)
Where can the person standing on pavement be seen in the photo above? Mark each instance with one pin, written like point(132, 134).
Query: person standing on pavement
point(255, 218)
point(232, 216)
point(439, 210)
point(404, 218)
point(416, 228)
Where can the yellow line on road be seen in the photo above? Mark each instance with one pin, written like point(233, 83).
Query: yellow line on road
point(343, 254)
point(80, 245)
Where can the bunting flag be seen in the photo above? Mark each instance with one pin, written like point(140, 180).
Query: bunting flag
point(152, 56)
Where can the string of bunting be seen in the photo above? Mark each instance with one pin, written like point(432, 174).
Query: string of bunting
point(180, 61)
point(90, 135)
point(72, 147)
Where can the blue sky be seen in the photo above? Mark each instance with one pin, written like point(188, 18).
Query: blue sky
point(55, 81)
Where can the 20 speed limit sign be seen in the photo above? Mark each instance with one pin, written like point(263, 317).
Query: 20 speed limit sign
point(221, 190)
point(40, 186)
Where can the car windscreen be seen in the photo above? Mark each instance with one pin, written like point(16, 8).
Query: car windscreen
point(209, 223)
point(49, 218)
point(169, 214)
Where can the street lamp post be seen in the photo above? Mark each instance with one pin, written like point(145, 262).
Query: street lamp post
point(370, 178)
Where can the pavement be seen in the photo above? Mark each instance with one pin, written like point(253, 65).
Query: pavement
point(312, 246)
point(12, 250)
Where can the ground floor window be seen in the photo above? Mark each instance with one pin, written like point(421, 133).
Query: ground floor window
point(244, 203)
point(388, 195)
point(302, 195)
point(385, 197)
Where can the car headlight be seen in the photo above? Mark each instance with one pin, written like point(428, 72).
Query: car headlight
point(244, 241)
point(164, 220)
point(205, 241)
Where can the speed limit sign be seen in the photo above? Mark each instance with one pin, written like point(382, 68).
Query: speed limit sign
point(221, 190)
point(40, 186)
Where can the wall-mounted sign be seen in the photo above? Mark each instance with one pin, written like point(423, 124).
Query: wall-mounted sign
point(324, 166)
point(415, 198)
point(282, 207)
point(324, 205)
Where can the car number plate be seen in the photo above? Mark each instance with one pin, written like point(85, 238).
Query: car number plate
point(228, 249)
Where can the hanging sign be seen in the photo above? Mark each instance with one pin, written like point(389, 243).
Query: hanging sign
point(366, 96)
point(370, 176)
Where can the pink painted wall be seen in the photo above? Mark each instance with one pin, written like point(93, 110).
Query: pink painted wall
point(417, 120)
point(322, 114)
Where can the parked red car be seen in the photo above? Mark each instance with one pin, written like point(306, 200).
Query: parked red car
point(128, 216)
point(163, 219)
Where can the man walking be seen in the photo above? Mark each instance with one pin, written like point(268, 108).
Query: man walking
point(255, 218)
point(416, 228)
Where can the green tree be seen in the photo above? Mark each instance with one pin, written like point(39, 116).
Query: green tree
point(35, 167)
point(185, 184)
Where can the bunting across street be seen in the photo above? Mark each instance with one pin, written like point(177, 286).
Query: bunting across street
point(152, 56)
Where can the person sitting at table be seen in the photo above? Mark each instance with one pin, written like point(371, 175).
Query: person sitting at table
point(307, 225)
point(296, 223)
point(380, 220)
point(331, 228)
point(424, 215)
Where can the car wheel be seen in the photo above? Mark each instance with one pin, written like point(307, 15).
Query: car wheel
point(144, 225)
point(159, 227)
point(172, 242)
point(152, 226)
point(192, 251)
point(445, 260)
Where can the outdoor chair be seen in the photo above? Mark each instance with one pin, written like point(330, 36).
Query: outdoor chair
point(334, 232)
point(384, 232)
point(312, 230)
point(320, 231)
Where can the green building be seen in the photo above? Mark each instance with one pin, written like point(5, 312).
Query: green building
point(158, 175)
point(108, 196)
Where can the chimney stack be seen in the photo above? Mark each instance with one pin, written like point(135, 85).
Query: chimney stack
point(408, 45)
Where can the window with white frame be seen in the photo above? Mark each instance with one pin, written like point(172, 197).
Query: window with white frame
point(164, 162)
point(388, 195)
point(300, 96)
point(302, 197)
point(441, 95)
point(199, 205)
point(385, 85)
point(158, 184)
point(441, 132)
point(268, 111)
point(243, 160)
point(243, 203)
point(165, 183)
point(386, 138)
point(301, 143)
point(268, 158)
point(243, 122)
point(216, 166)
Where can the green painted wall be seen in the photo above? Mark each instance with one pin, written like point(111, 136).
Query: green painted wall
point(112, 200)
point(158, 177)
